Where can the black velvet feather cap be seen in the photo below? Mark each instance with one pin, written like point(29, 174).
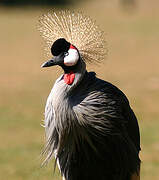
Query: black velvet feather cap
point(59, 46)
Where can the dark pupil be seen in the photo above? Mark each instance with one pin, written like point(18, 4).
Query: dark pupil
point(66, 53)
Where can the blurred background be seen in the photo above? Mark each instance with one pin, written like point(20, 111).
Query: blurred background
point(132, 33)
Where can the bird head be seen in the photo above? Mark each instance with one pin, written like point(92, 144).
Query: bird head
point(67, 56)
point(79, 32)
point(64, 54)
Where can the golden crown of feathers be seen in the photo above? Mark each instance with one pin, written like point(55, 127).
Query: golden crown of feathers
point(76, 28)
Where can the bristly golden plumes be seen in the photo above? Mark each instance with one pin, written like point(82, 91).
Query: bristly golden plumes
point(77, 29)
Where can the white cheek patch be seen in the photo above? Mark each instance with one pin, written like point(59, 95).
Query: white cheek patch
point(72, 57)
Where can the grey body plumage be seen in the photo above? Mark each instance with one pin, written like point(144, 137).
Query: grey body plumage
point(90, 128)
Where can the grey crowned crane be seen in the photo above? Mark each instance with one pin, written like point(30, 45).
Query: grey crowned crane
point(90, 127)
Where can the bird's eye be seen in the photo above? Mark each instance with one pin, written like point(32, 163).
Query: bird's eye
point(66, 53)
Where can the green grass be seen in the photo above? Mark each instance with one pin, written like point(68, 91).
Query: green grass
point(132, 65)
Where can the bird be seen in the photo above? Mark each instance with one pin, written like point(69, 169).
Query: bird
point(90, 127)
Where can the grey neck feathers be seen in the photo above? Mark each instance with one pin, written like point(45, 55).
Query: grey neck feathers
point(79, 74)
point(60, 117)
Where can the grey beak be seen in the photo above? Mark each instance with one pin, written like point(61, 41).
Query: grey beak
point(49, 63)
point(56, 60)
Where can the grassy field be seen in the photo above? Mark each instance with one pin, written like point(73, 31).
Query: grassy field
point(132, 65)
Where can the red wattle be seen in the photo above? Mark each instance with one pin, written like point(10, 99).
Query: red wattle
point(69, 78)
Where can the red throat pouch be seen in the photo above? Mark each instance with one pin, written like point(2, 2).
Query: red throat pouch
point(69, 78)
